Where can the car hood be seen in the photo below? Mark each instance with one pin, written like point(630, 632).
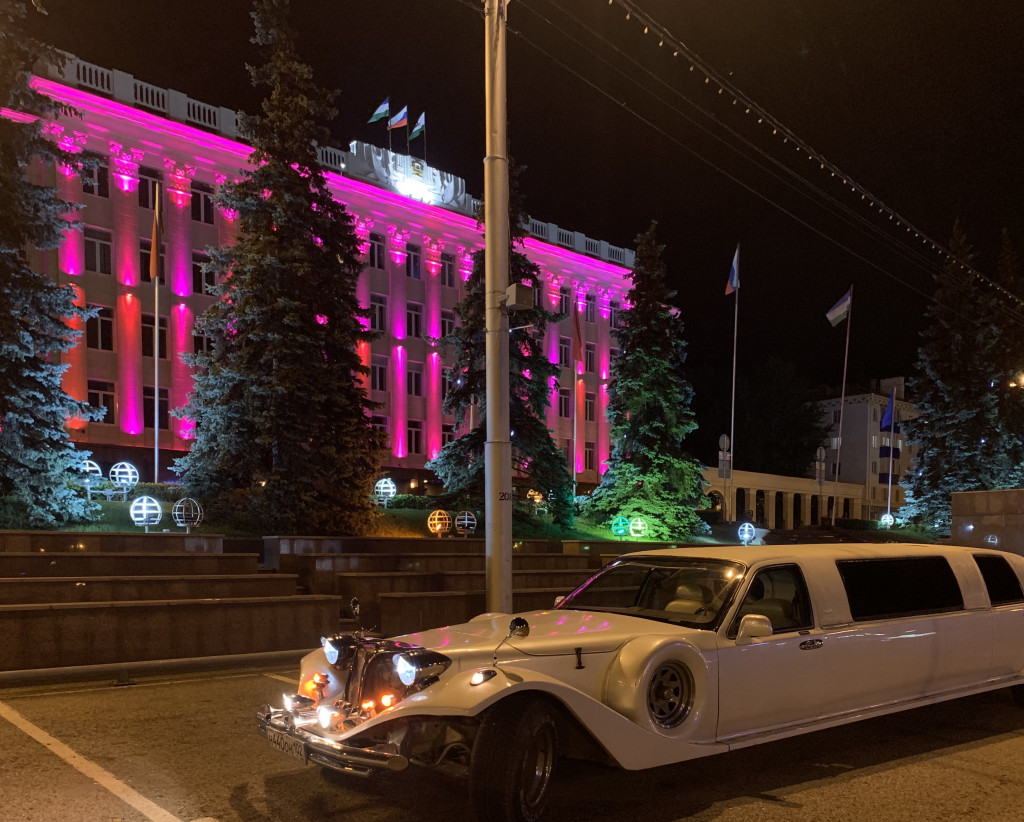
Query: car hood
point(551, 633)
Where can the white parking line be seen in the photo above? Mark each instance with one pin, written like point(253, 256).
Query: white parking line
point(105, 779)
point(289, 680)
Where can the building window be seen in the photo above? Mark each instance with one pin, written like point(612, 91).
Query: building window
point(447, 323)
point(564, 349)
point(413, 320)
point(564, 403)
point(99, 330)
point(201, 344)
point(96, 180)
point(379, 422)
point(203, 278)
point(564, 301)
point(835, 417)
point(565, 449)
point(147, 336)
point(147, 407)
point(379, 372)
point(538, 294)
point(375, 253)
point(589, 407)
point(448, 270)
point(588, 456)
point(378, 312)
point(591, 308)
point(613, 354)
point(145, 252)
point(590, 358)
point(447, 382)
point(414, 437)
point(414, 379)
point(412, 261)
point(202, 203)
point(447, 433)
point(98, 251)
point(148, 180)
point(613, 314)
point(101, 395)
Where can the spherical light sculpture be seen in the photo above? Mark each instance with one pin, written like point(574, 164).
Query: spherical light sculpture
point(124, 476)
point(747, 533)
point(384, 490)
point(638, 527)
point(620, 527)
point(887, 520)
point(91, 469)
point(439, 522)
point(187, 513)
point(145, 511)
point(465, 523)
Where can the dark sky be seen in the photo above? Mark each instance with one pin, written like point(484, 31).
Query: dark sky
point(919, 101)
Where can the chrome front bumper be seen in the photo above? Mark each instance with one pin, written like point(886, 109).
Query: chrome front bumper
point(280, 732)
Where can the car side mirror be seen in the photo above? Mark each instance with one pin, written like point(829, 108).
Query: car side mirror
point(752, 627)
point(518, 627)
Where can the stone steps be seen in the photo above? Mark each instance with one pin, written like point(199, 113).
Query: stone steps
point(28, 590)
point(74, 563)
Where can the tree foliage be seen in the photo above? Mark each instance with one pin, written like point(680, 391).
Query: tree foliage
point(38, 461)
point(779, 429)
point(281, 412)
point(967, 392)
point(532, 379)
point(650, 472)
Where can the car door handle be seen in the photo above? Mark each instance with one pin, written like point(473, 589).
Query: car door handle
point(811, 644)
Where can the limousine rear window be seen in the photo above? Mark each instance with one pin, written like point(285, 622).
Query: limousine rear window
point(1000, 580)
point(905, 586)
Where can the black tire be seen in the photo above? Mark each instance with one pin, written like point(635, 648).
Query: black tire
point(513, 761)
point(1017, 692)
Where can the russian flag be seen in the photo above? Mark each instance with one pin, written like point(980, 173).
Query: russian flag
point(734, 273)
point(400, 119)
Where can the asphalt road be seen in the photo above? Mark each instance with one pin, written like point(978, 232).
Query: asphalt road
point(184, 748)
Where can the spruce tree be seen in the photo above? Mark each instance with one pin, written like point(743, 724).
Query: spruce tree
point(966, 439)
point(650, 472)
point(532, 376)
point(38, 461)
point(282, 417)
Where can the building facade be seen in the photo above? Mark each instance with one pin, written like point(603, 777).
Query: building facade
point(418, 232)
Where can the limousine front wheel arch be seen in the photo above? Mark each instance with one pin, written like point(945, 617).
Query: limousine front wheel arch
point(654, 684)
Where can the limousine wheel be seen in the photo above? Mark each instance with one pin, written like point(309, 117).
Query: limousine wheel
point(669, 693)
point(513, 761)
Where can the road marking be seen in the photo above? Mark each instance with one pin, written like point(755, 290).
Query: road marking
point(104, 778)
point(289, 680)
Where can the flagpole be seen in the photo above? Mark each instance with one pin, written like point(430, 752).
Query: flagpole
point(731, 503)
point(842, 405)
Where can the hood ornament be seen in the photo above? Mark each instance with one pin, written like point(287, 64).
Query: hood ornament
point(517, 627)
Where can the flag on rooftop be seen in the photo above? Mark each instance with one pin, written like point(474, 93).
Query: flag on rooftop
point(841, 310)
point(734, 273)
point(420, 127)
point(383, 110)
point(400, 119)
point(153, 274)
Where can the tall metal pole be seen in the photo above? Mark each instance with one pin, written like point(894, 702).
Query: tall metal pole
point(154, 274)
point(498, 446)
point(842, 408)
point(731, 507)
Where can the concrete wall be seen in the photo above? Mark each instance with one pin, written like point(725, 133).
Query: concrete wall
point(109, 542)
point(989, 519)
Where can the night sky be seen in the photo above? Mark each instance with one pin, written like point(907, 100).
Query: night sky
point(918, 101)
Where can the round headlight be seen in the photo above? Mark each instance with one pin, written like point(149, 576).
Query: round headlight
point(405, 669)
point(330, 652)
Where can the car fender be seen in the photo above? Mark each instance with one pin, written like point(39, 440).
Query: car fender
point(626, 685)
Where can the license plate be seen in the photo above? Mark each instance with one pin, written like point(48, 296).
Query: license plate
point(287, 744)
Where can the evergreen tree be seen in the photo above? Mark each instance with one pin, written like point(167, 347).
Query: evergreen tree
point(281, 412)
point(37, 457)
point(966, 437)
point(779, 430)
point(532, 378)
point(650, 472)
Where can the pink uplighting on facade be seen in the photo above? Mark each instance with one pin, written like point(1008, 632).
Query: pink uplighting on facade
point(129, 363)
point(181, 324)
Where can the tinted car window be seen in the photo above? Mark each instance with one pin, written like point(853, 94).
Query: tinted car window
point(879, 588)
point(780, 594)
point(1000, 579)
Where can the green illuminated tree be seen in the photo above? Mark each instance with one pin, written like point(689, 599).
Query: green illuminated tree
point(282, 419)
point(37, 458)
point(968, 430)
point(650, 471)
point(535, 456)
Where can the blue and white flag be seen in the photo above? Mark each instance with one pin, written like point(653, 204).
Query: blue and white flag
point(841, 310)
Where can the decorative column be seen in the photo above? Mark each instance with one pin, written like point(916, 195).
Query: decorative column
point(432, 250)
point(769, 509)
point(397, 253)
point(549, 300)
point(124, 166)
point(805, 509)
point(787, 510)
point(178, 273)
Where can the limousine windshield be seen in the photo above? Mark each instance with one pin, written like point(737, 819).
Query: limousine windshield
point(687, 591)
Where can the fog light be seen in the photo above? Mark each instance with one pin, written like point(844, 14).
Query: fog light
point(327, 716)
point(387, 700)
point(480, 677)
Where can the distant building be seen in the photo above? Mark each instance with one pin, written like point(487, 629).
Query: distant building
point(864, 454)
point(418, 230)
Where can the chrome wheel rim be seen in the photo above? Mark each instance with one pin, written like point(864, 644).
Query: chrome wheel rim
point(538, 765)
point(670, 694)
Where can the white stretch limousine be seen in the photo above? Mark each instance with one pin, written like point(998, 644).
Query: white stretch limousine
point(660, 657)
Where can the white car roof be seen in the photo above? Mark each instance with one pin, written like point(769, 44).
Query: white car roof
point(752, 554)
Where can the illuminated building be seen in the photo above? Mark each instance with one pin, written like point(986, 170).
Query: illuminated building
point(418, 232)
